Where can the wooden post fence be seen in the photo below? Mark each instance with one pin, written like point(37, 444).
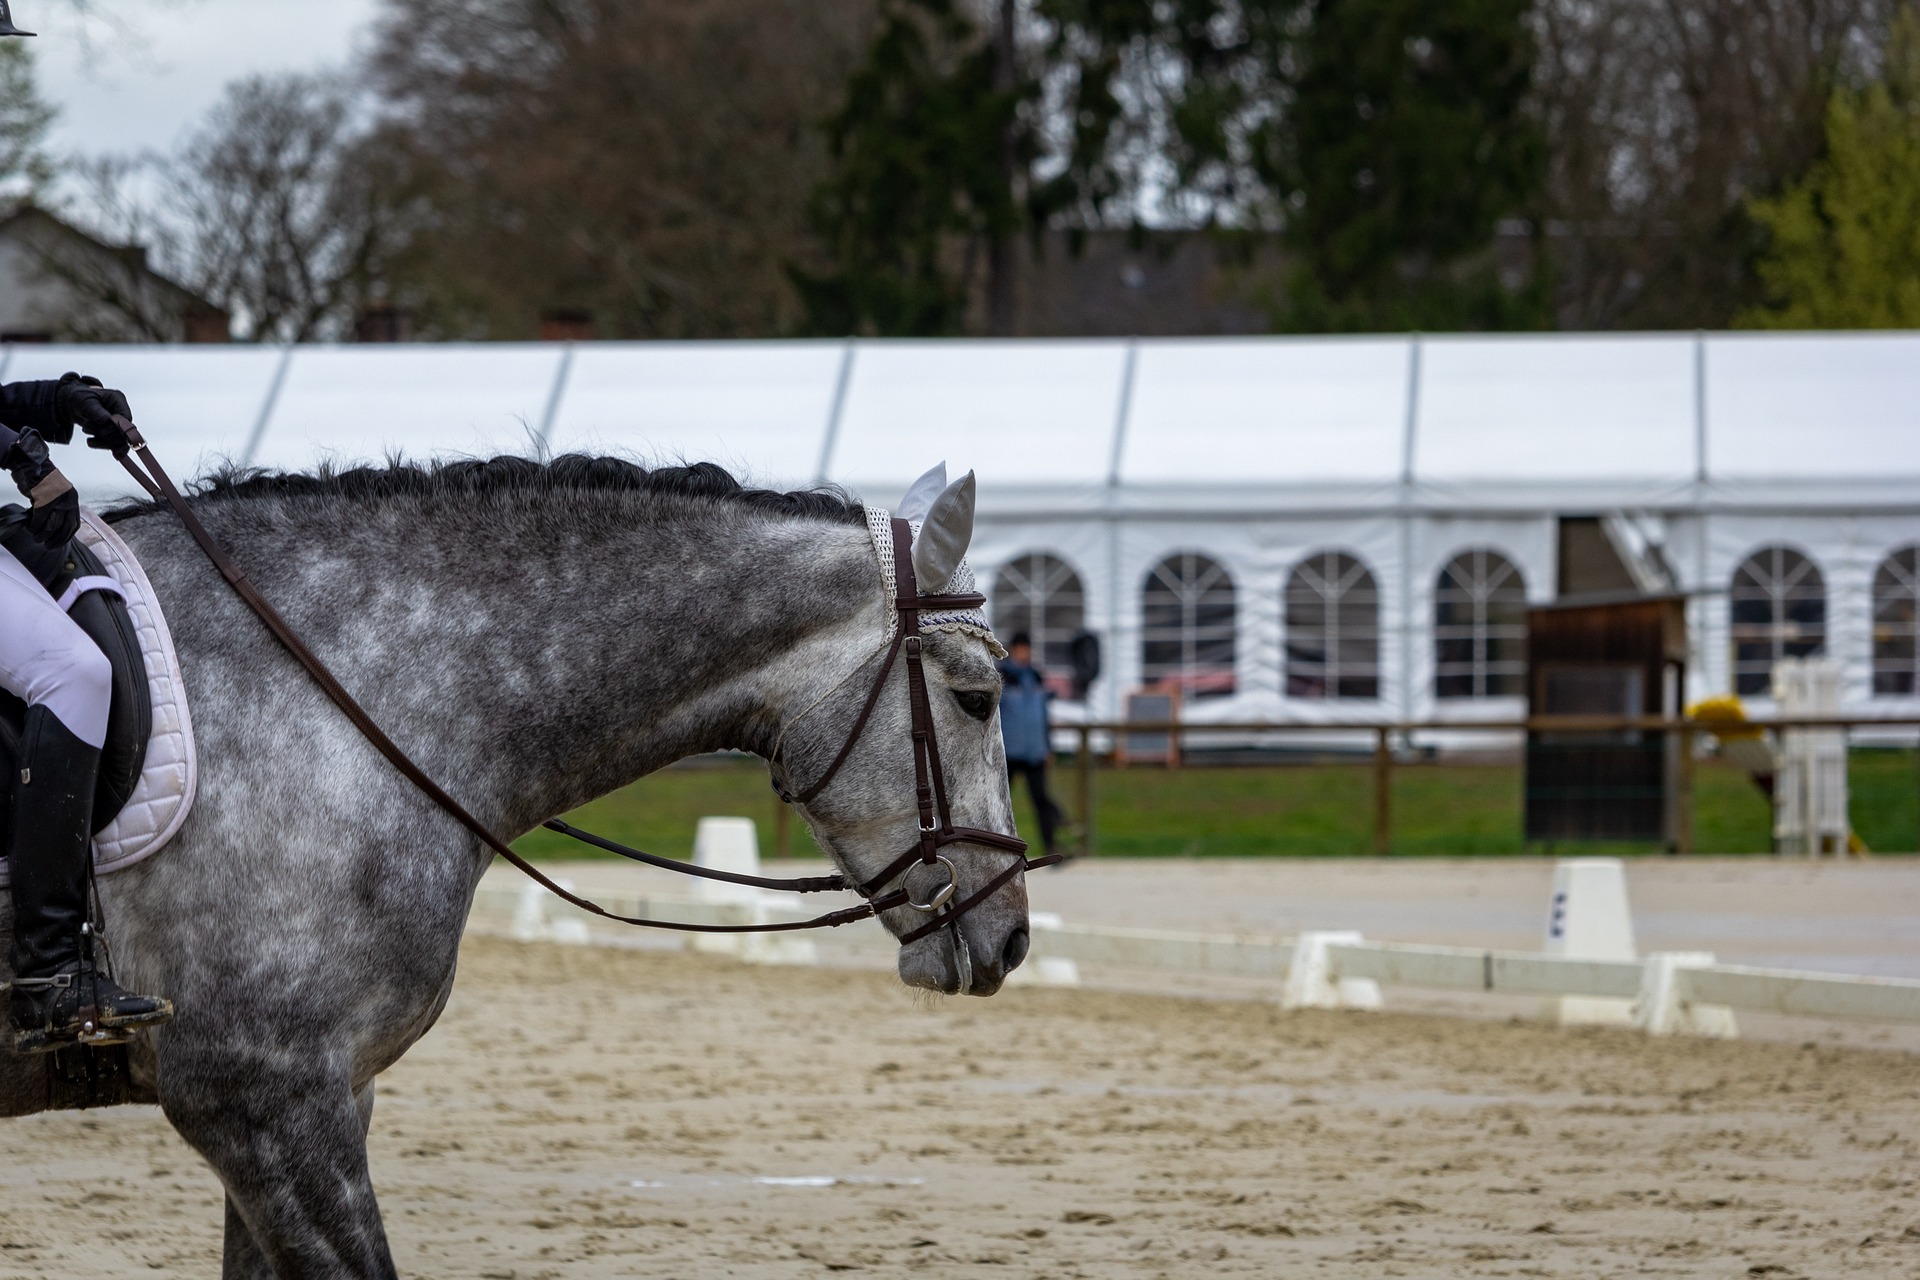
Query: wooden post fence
point(1681, 731)
point(1085, 788)
point(1382, 791)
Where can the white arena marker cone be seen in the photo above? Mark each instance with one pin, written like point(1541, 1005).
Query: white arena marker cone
point(1589, 919)
point(733, 844)
point(1046, 971)
point(565, 922)
point(530, 914)
point(727, 844)
point(534, 918)
point(1043, 970)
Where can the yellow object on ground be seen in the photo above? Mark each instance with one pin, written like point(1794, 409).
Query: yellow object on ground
point(1742, 745)
point(1725, 718)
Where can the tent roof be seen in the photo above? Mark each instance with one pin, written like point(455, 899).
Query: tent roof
point(1191, 424)
point(758, 408)
point(1281, 412)
point(1019, 413)
point(1551, 409)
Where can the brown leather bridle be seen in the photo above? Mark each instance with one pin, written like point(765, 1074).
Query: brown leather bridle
point(936, 826)
point(936, 822)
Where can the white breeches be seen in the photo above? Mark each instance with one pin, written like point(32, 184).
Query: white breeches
point(48, 660)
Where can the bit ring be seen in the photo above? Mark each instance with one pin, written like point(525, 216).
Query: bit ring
point(945, 893)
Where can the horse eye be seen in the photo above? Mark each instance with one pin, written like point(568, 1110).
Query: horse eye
point(975, 703)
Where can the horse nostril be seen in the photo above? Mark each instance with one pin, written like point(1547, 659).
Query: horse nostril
point(1015, 951)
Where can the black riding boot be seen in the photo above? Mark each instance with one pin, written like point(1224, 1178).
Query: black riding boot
point(58, 997)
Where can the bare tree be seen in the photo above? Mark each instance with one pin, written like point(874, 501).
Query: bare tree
point(25, 167)
point(647, 161)
point(1663, 117)
point(279, 210)
point(276, 209)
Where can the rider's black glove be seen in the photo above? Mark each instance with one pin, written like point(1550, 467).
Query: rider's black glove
point(55, 517)
point(83, 402)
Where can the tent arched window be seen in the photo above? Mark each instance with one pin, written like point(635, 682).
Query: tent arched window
point(1778, 608)
point(1479, 628)
point(1042, 596)
point(1332, 628)
point(1187, 626)
point(1896, 609)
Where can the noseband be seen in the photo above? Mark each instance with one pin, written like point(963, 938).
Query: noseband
point(936, 823)
point(936, 827)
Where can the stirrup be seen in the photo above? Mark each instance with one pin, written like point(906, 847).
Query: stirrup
point(96, 1031)
point(47, 1040)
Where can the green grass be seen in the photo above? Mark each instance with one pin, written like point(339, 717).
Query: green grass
point(1300, 810)
point(658, 812)
point(1884, 792)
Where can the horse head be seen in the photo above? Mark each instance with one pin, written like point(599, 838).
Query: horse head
point(880, 786)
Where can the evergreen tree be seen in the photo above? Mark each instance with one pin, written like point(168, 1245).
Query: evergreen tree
point(1382, 138)
point(1843, 246)
point(925, 166)
point(1172, 113)
point(1410, 138)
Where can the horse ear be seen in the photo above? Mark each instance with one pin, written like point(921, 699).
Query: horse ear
point(921, 493)
point(943, 539)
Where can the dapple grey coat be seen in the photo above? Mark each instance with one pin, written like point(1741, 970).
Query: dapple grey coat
point(534, 636)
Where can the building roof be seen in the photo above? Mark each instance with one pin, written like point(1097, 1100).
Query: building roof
point(57, 280)
point(1560, 422)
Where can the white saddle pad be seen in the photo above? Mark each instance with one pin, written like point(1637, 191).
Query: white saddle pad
point(161, 800)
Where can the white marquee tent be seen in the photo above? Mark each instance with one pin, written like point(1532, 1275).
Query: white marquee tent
point(1245, 460)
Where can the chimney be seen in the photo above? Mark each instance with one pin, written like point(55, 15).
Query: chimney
point(566, 324)
point(383, 323)
point(205, 323)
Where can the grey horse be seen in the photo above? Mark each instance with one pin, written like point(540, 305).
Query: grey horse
point(535, 635)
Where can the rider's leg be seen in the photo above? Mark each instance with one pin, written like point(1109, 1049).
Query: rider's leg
point(66, 682)
point(47, 660)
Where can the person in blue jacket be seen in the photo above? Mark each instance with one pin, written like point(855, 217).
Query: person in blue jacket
point(1027, 732)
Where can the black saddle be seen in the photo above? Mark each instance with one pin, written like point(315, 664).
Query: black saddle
point(103, 616)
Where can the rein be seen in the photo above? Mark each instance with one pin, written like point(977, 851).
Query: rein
point(160, 487)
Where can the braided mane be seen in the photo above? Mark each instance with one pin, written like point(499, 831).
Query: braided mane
point(510, 477)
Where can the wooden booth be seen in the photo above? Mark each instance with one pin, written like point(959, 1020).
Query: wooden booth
point(1623, 656)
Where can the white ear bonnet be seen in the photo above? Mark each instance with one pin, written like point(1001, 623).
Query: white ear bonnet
point(972, 622)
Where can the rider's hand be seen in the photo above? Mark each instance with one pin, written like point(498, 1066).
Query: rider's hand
point(55, 517)
point(83, 402)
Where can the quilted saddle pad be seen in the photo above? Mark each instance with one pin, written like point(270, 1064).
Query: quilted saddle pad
point(164, 794)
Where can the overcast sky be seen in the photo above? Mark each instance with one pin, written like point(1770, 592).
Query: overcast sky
point(144, 75)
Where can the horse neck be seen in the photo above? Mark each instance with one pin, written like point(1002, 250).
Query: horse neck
point(530, 677)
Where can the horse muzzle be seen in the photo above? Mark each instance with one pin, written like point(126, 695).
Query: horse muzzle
point(966, 958)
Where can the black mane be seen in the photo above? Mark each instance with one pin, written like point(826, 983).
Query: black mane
point(510, 476)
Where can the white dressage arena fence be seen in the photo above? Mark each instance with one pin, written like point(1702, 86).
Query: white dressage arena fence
point(1664, 993)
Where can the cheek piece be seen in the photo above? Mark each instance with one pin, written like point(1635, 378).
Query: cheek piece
point(936, 826)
